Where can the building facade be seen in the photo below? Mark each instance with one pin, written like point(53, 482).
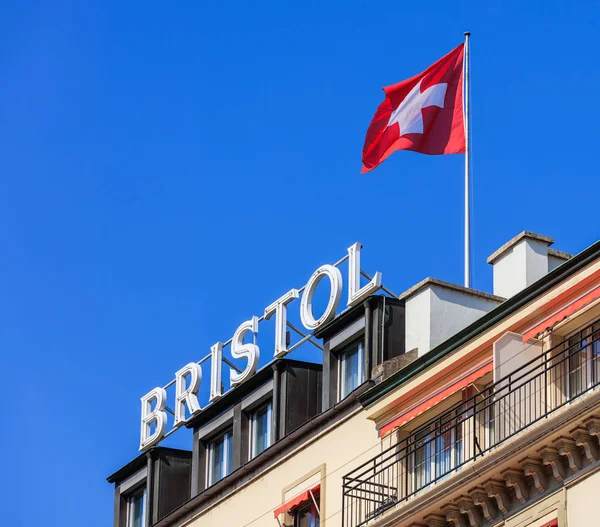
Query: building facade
point(443, 406)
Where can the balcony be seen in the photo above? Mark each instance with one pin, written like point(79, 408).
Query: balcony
point(473, 428)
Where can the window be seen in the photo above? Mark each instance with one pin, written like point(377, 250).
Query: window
point(219, 458)
point(308, 514)
point(583, 350)
point(260, 429)
point(351, 369)
point(136, 508)
point(437, 452)
point(448, 449)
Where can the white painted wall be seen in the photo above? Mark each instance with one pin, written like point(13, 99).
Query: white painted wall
point(453, 310)
point(554, 262)
point(417, 320)
point(520, 266)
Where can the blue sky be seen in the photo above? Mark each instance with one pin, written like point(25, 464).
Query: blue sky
point(168, 169)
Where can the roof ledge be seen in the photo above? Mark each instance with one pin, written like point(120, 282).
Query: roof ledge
point(559, 254)
point(423, 284)
point(511, 243)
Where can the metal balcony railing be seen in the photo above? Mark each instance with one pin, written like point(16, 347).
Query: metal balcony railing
point(473, 427)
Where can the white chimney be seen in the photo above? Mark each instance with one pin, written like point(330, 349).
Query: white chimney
point(522, 261)
point(436, 310)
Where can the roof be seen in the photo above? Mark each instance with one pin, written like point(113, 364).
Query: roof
point(214, 409)
point(140, 462)
point(487, 321)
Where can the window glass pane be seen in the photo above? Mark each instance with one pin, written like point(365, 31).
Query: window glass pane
point(351, 369)
point(595, 354)
point(261, 429)
point(219, 458)
point(422, 459)
point(216, 458)
point(229, 455)
point(448, 449)
point(595, 339)
point(443, 453)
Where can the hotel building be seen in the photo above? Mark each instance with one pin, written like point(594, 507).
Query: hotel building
point(443, 406)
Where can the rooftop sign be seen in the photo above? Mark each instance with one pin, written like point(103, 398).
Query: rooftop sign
point(187, 379)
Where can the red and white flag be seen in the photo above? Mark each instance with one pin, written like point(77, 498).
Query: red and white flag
point(423, 114)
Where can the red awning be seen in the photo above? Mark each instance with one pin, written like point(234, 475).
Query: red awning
point(553, 523)
point(438, 396)
point(565, 312)
point(296, 502)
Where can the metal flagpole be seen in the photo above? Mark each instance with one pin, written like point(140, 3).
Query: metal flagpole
point(467, 156)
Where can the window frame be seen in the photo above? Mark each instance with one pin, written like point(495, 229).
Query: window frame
point(227, 437)
point(309, 507)
point(438, 462)
point(130, 497)
point(252, 423)
point(342, 361)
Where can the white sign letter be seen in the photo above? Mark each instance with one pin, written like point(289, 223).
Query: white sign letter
point(306, 313)
point(239, 350)
point(187, 395)
point(355, 293)
point(279, 308)
point(216, 386)
point(149, 416)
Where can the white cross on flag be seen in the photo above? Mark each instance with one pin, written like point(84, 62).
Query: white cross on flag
point(423, 114)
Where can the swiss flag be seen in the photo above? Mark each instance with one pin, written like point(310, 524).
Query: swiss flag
point(423, 114)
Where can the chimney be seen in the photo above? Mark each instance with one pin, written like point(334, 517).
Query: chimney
point(436, 310)
point(522, 261)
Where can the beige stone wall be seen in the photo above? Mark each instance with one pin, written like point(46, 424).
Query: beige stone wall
point(582, 498)
point(326, 460)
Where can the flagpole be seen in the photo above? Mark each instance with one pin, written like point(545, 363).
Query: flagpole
point(467, 156)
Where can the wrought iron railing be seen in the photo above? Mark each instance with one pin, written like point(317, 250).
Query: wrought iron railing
point(473, 427)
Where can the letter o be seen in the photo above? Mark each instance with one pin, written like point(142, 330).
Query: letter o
point(306, 312)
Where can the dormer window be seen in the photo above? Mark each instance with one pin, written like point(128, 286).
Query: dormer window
point(357, 342)
point(250, 419)
point(151, 486)
point(351, 368)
